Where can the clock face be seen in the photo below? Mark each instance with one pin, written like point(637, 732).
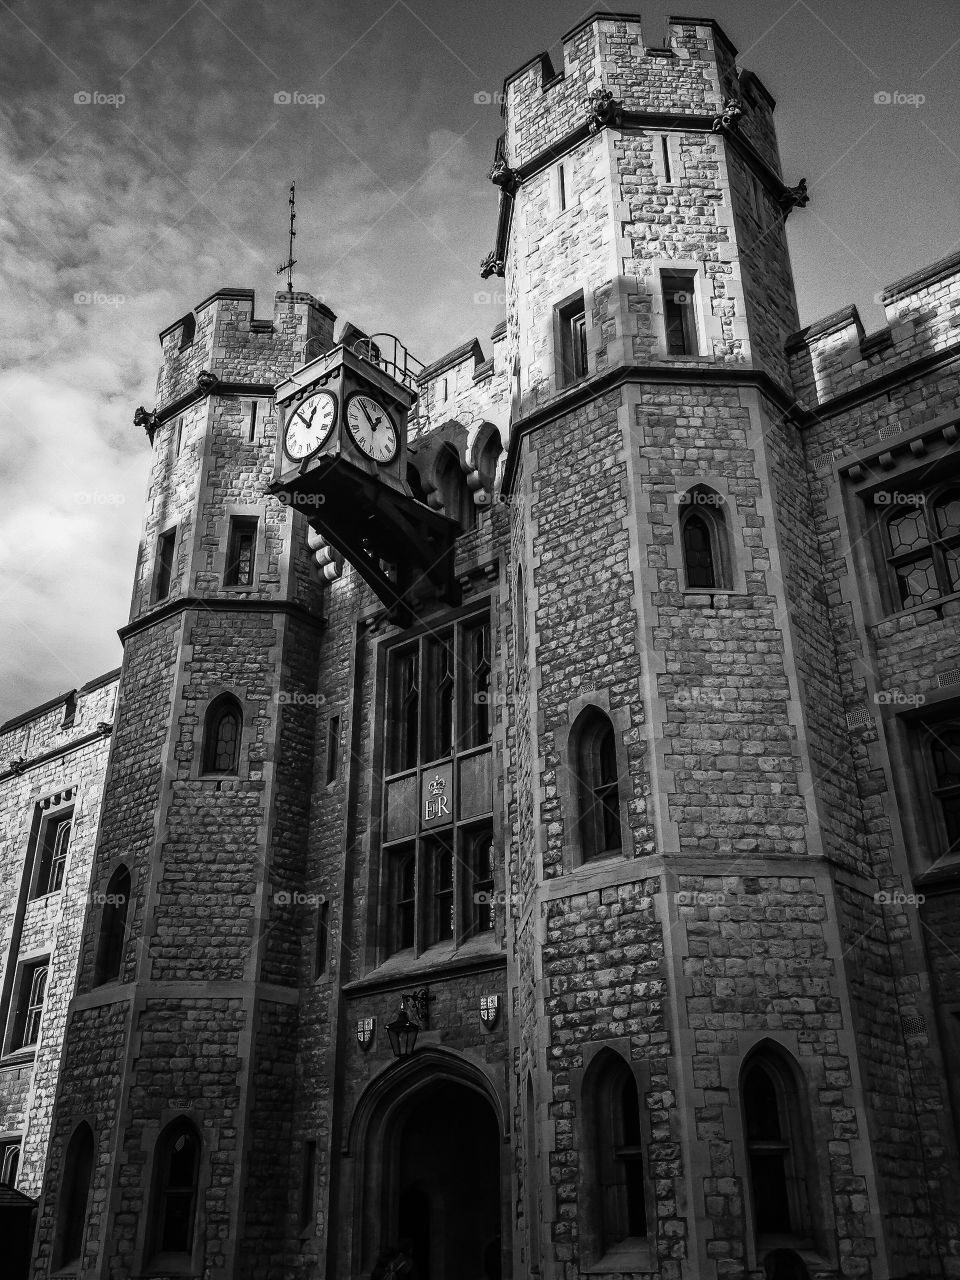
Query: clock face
point(372, 429)
point(309, 426)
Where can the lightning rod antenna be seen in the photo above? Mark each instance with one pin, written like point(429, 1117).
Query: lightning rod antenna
point(291, 261)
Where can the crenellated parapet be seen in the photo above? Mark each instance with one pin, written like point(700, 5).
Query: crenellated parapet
point(835, 357)
point(693, 75)
point(222, 337)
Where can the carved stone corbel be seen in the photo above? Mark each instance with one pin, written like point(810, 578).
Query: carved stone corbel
point(502, 176)
point(207, 381)
point(491, 265)
point(728, 117)
point(604, 109)
point(794, 197)
point(147, 419)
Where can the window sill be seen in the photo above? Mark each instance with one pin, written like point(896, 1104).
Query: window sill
point(635, 1254)
point(934, 605)
point(440, 958)
point(18, 1057)
point(714, 598)
point(945, 871)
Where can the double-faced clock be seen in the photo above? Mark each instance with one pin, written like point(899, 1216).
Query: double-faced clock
point(310, 425)
point(343, 464)
point(371, 428)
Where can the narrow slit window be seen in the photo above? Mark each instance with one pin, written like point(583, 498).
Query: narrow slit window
point(679, 313)
point(323, 936)
point(252, 409)
point(166, 544)
point(665, 153)
point(572, 327)
point(333, 749)
point(308, 1184)
point(561, 187)
point(241, 552)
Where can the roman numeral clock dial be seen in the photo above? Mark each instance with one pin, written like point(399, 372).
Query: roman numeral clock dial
point(371, 428)
point(309, 426)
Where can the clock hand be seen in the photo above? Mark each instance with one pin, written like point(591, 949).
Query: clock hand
point(366, 414)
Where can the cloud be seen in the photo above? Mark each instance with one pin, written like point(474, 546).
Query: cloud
point(116, 219)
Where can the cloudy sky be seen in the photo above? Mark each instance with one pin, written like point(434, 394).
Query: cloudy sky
point(146, 163)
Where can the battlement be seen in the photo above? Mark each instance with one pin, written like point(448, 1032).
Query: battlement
point(465, 385)
point(692, 74)
point(834, 355)
point(223, 336)
point(55, 724)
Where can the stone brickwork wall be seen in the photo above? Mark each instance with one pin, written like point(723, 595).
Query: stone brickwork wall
point(65, 767)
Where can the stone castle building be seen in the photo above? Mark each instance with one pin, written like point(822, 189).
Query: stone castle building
point(529, 819)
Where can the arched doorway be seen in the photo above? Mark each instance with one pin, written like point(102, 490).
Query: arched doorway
point(443, 1189)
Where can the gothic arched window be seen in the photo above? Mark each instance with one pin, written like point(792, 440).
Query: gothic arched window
point(74, 1193)
point(698, 555)
point(703, 539)
point(221, 736)
point(113, 928)
point(775, 1148)
point(598, 785)
point(176, 1176)
point(612, 1113)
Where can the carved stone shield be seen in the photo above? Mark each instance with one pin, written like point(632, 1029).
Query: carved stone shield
point(489, 1010)
point(365, 1032)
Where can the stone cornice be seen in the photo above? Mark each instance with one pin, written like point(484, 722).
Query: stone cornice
point(621, 375)
point(182, 603)
point(16, 767)
point(635, 121)
point(228, 388)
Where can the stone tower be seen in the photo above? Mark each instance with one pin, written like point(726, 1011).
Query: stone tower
point(665, 580)
point(546, 922)
point(191, 1022)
